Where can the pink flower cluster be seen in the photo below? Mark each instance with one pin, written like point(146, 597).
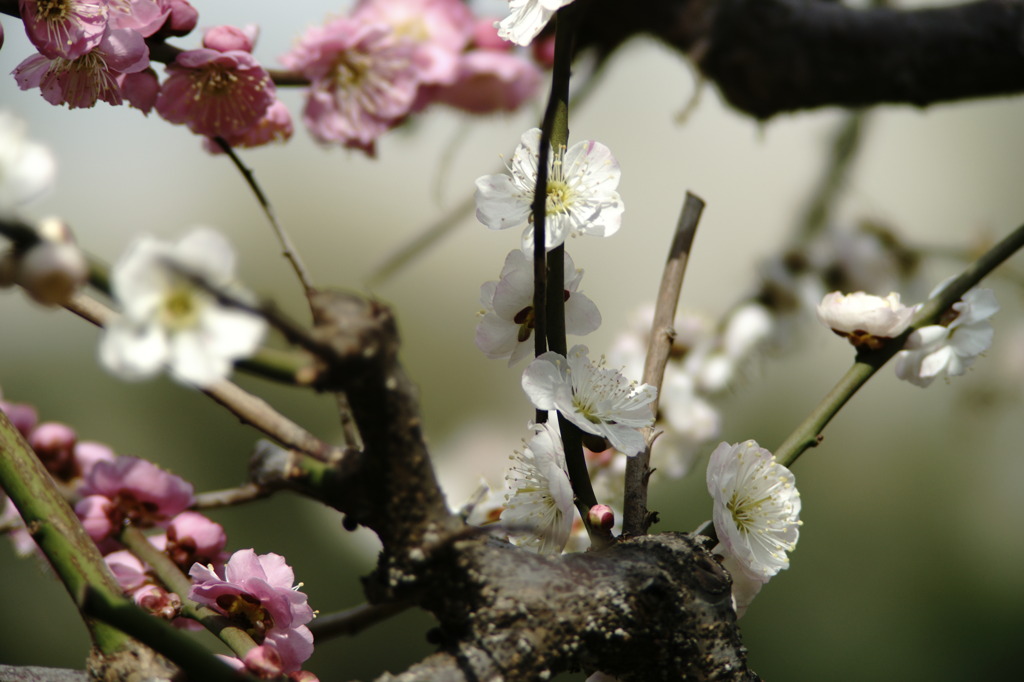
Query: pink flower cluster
point(390, 58)
point(91, 50)
point(256, 591)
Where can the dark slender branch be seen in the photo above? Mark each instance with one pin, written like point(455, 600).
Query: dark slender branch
point(636, 517)
point(288, 249)
point(354, 620)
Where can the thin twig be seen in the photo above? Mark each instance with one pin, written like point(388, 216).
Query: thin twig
point(229, 497)
point(808, 433)
point(636, 518)
point(249, 408)
point(354, 620)
point(288, 249)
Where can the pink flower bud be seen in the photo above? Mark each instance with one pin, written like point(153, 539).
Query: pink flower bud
point(182, 19)
point(264, 662)
point(601, 516)
point(54, 444)
point(158, 601)
point(88, 453)
point(303, 676)
point(192, 537)
point(23, 416)
point(227, 38)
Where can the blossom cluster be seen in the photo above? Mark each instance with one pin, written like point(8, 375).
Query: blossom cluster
point(611, 410)
point(368, 70)
point(110, 491)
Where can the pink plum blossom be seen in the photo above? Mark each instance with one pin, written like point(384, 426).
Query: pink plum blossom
point(257, 593)
point(274, 126)
point(490, 80)
point(145, 17)
point(135, 490)
point(257, 589)
point(364, 81)
point(66, 29)
point(216, 93)
point(141, 89)
point(95, 75)
point(439, 30)
point(191, 538)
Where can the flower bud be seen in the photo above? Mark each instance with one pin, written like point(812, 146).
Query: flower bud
point(54, 444)
point(601, 516)
point(51, 273)
point(228, 38)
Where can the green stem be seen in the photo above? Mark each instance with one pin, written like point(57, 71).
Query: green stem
point(171, 576)
point(57, 531)
point(193, 658)
point(807, 435)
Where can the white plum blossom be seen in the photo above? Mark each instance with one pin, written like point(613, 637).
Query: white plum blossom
point(170, 321)
point(598, 400)
point(949, 348)
point(539, 508)
point(744, 588)
point(864, 319)
point(506, 328)
point(582, 196)
point(756, 507)
point(527, 18)
point(27, 169)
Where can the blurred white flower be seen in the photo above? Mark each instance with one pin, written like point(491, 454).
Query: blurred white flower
point(506, 329)
point(169, 320)
point(756, 507)
point(539, 509)
point(935, 349)
point(27, 168)
point(582, 196)
point(527, 18)
point(598, 400)
point(864, 319)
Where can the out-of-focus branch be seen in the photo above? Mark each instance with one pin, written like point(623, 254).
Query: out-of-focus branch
point(354, 620)
point(636, 517)
point(247, 407)
point(808, 434)
point(772, 56)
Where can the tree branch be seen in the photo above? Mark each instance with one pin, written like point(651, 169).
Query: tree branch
point(772, 56)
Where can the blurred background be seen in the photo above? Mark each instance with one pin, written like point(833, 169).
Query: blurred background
point(909, 561)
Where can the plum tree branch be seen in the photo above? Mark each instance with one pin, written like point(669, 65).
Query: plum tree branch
point(773, 56)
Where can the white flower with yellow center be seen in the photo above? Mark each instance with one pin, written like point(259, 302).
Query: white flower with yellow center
point(582, 196)
point(527, 18)
point(953, 345)
point(170, 321)
point(756, 507)
point(865, 320)
point(598, 400)
point(539, 507)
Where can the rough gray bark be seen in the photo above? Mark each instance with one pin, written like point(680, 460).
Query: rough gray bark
point(646, 608)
